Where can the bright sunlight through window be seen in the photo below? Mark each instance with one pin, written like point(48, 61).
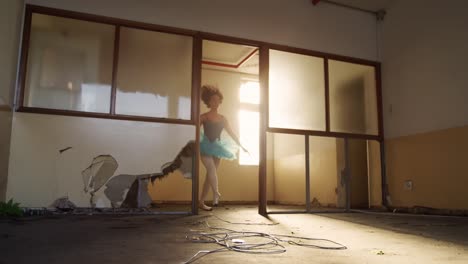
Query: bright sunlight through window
point(250, 93)
point(249, 119)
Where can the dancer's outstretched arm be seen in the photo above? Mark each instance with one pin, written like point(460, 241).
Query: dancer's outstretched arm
point(231, 133)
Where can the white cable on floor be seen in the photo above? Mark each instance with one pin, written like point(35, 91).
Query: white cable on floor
point(236, 241)
point(242, 223)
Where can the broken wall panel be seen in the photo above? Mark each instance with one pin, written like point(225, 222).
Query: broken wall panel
point(40, 173)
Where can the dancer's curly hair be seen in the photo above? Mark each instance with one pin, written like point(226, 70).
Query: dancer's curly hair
point(208, 91)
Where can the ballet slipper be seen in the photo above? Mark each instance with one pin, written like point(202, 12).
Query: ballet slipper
point(216, 199)
point(203, 206)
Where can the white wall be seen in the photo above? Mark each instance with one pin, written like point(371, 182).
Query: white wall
point(39, 174)
point(295, 23)
point(424, 66)
point(10, 26)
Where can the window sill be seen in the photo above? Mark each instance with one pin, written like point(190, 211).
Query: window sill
point(47, 111)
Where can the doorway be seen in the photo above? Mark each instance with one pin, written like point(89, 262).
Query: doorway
point(234, 70)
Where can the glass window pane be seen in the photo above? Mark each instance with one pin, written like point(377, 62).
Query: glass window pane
point(249, 136)
point(297, 91)
point(69, 64)
point(154, 74)
point(325, 175)
point(353, 100)
point(286, 169)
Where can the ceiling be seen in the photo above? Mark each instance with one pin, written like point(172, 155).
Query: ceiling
point(245, 59)
point(230, 57)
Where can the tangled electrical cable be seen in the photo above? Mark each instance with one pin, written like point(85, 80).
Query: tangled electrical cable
point(242, 223)
point(251, 242)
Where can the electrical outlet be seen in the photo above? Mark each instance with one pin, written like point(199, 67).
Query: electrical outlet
point(409, 185)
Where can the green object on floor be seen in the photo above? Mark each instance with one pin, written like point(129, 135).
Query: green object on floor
point(10, 208)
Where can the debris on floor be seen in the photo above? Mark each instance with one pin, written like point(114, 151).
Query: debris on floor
point(63, 204)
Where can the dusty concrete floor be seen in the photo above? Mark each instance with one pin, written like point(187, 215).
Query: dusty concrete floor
point(369, 238)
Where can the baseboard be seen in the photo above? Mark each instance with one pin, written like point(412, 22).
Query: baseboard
point(429, 211)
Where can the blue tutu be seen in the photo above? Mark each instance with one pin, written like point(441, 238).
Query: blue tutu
point(221, 148)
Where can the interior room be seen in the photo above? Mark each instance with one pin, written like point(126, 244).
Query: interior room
point(302, 131)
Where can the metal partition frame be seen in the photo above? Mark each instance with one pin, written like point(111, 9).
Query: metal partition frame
point(198, 37)
point(264, 67)
point(118, 23)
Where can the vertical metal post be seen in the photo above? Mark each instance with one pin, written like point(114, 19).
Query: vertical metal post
point(347, 175)
point(195, 113)
point(307, 172)
point(115, 66)
point(195, 180)
point(262, 177)
point(138, 199)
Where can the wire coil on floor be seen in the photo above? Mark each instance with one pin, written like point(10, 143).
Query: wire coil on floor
point(252, 242)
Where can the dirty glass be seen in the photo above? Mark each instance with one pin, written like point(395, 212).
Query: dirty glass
point(154, 74)
point(69, 64)
point(286, 172)
point(353, 100)
point(296, 91)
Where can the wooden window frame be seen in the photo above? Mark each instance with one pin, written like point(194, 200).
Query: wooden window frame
point(30, 9)
point(327, 132)
point(117, 23)
point(198, 37)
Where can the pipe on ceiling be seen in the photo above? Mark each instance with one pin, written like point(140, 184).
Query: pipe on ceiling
point(315, 2)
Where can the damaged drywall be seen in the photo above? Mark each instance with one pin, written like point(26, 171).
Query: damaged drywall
point(99, 172)
point(127, 190)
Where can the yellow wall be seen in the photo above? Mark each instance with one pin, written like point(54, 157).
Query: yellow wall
point(437, 164)
point(425, 95)
point(289, 169)
point(359, 171)
point(323, 170)
point(359, 178)
point(5, 133)
point(375, 173)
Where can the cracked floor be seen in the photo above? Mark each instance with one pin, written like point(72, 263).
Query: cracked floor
point(369, 238)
